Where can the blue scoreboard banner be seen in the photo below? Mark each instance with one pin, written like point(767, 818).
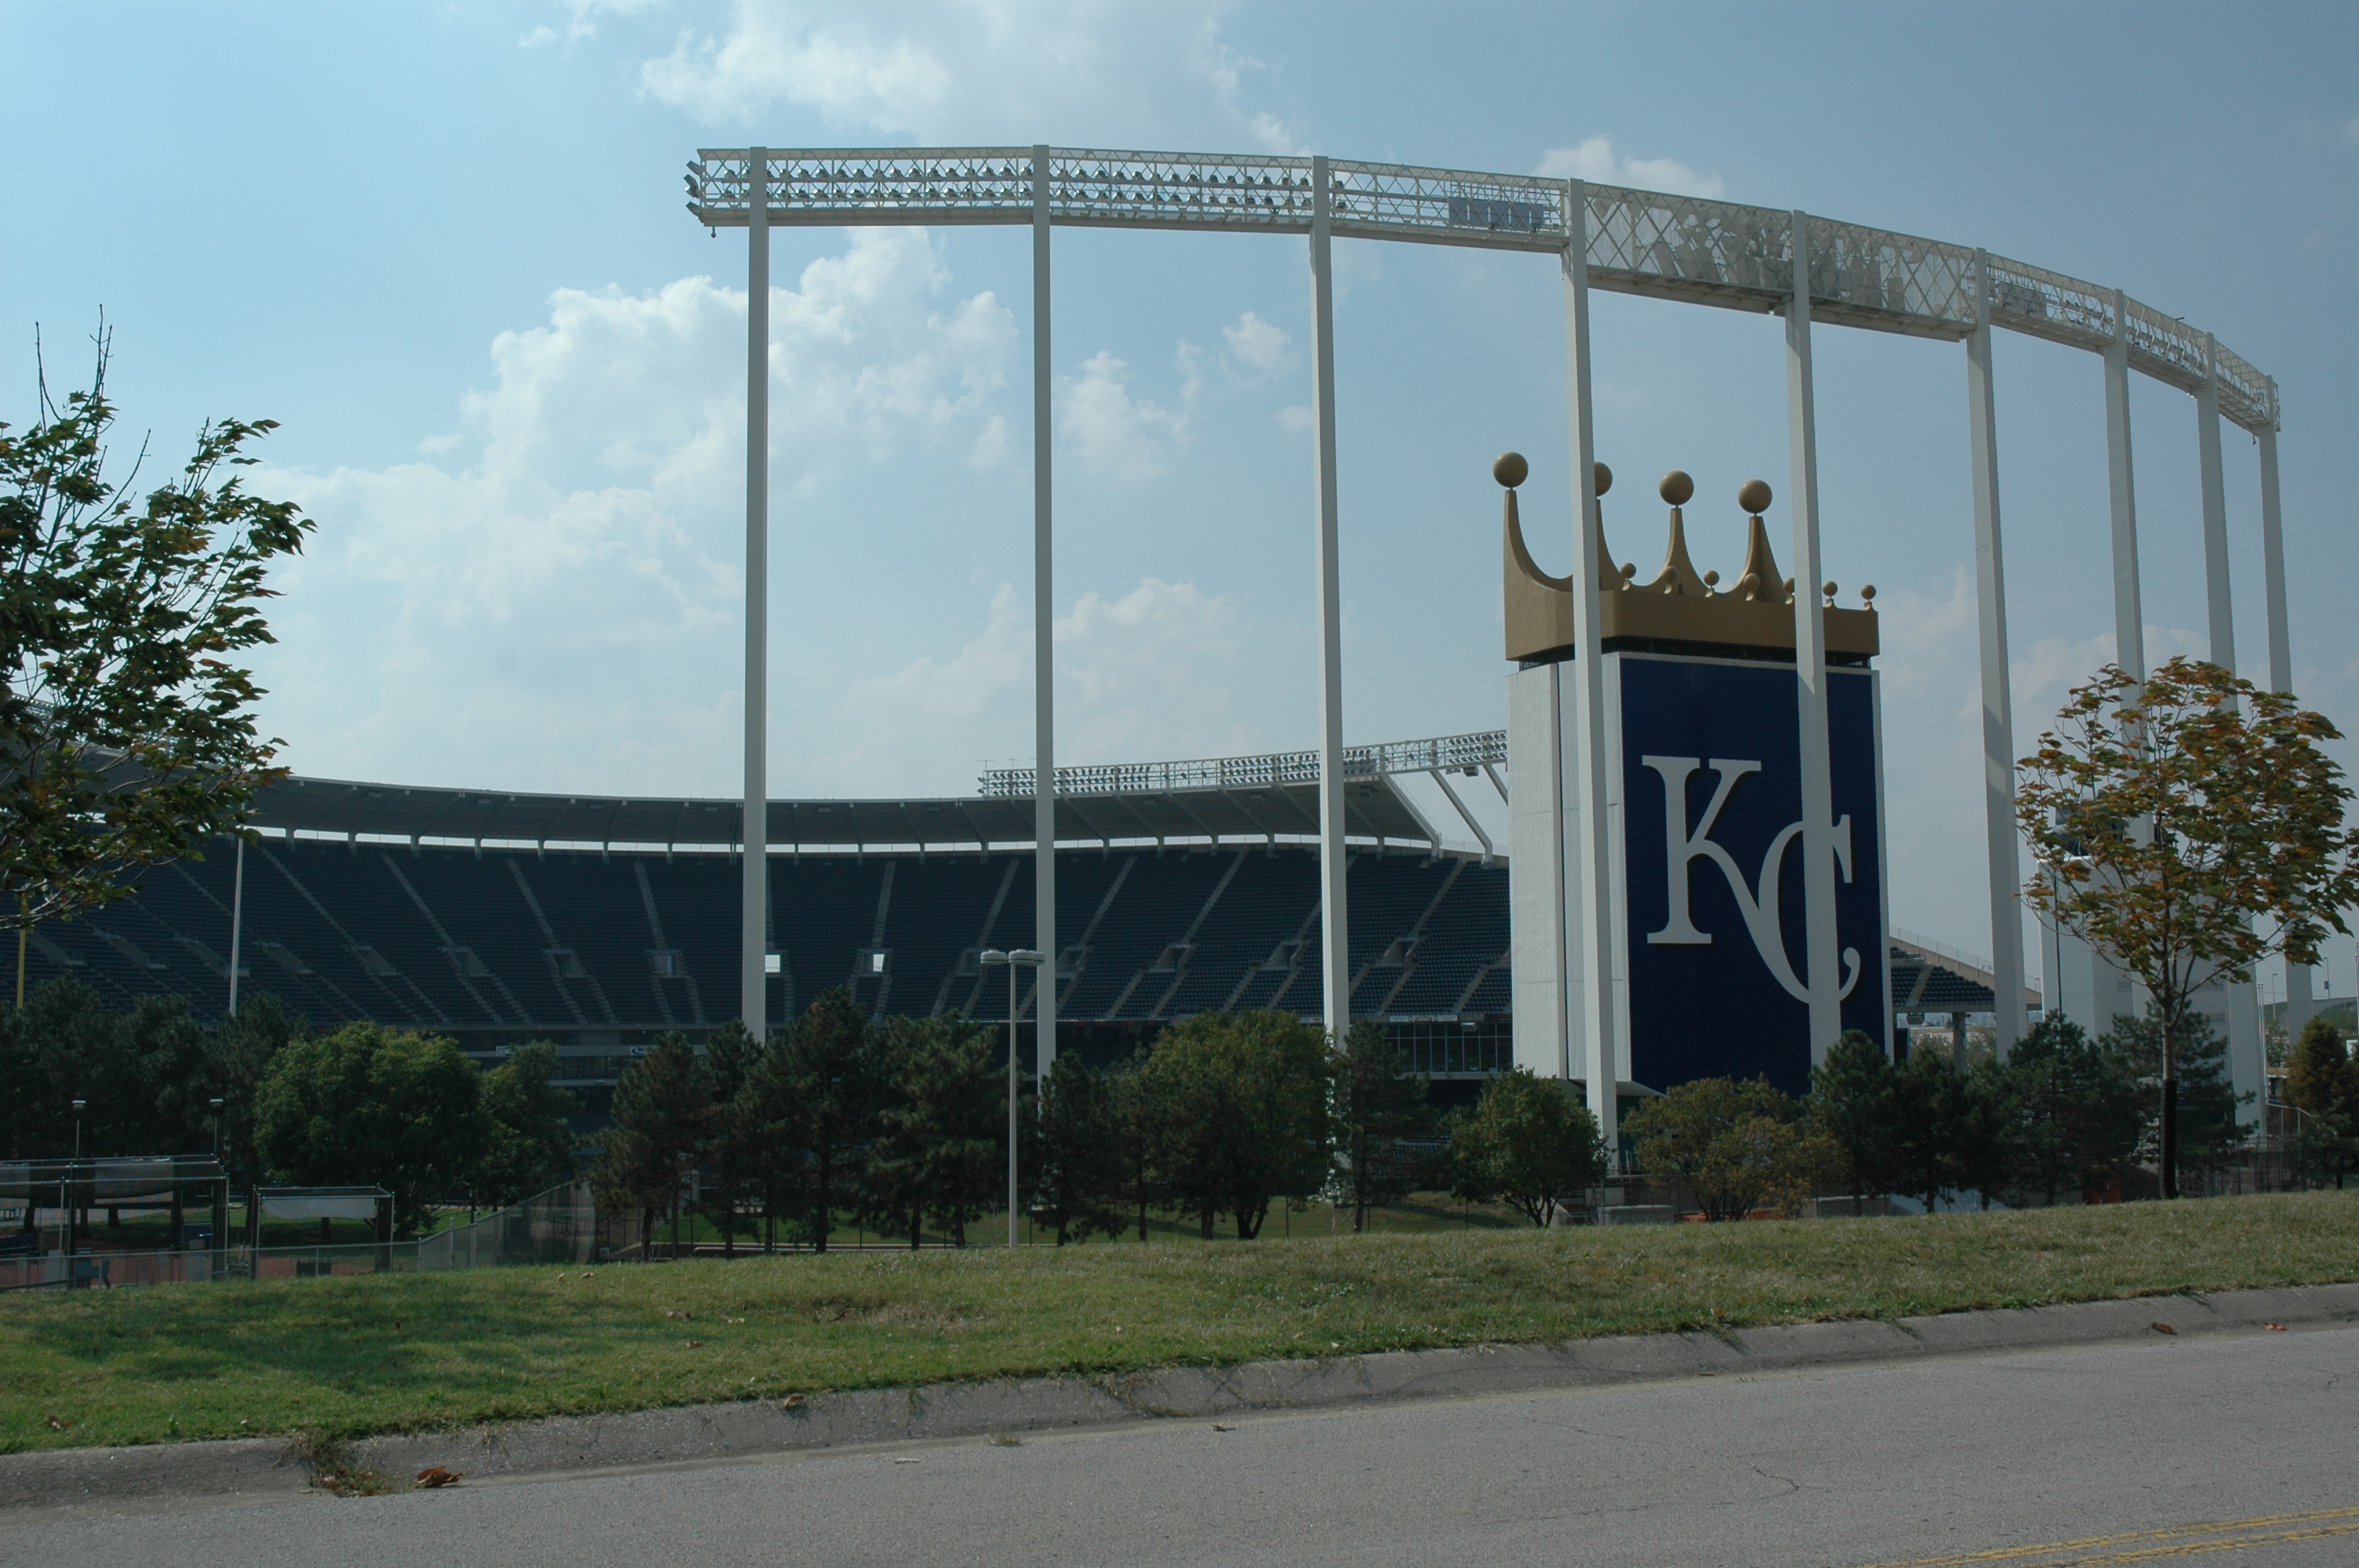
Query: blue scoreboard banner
point(1710, 801)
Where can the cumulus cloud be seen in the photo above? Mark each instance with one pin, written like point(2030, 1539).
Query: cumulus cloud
point(1162, 670)
point(525, 599)
point(968, 71)
point(1127, 439)
point(1256, 344)
point(1596, 159)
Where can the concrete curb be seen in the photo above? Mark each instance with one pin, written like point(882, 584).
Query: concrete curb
point(254, 1467)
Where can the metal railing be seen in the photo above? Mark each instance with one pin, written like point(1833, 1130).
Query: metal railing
point(1270, 768)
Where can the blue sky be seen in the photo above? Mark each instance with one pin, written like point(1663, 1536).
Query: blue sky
point(445, 246)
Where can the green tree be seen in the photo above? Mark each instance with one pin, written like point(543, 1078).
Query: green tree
point(663, 1117)
point(810, 1106)
point(1139, 1122)
point(2208, 1130)
point(126, 725)
point(532, 1137)
point(1528, 1142)
point(1986, 1149)
point(1928, 1125)
point(1375, 1103)
point(2323, 1084)
point(2190, 826)
point(243, 1049)
point(1243, 1098)
point(367, 1105)
point(2077, 1111)
point(733, 1162)
point(1731, 1145)
point(942, 1148)
point(1073, 1171)
point(1850, 1102)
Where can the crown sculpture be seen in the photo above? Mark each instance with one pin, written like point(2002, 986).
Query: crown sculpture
point(1677, 606)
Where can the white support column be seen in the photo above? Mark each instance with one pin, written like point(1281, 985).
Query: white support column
point(753, 946)
point(1589, 924)
point(2222, 609)
point(1044, 667)
point(1998, 700)
point(2301, 1002)
point(2129, 606)
point(2247, 1072)
point(1822, 953)
point(237, 922)
point(1335, 943)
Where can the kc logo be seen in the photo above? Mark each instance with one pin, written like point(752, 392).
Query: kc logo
point(1758, 903)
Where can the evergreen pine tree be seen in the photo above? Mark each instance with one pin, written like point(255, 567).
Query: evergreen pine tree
point(663, 1115)
point(1074, 1168)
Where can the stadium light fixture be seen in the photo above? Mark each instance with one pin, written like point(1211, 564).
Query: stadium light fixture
point(1021, 959)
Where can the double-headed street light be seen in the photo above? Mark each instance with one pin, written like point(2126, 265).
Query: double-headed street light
point(1021, 959)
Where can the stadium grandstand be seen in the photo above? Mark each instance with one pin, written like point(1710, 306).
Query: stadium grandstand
point(601, 922)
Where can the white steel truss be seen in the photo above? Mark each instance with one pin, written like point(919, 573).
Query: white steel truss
point(1463, 754)
point(1639, 242)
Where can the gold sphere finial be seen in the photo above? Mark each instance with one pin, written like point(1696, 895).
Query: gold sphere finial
point(1511, 469)
point(1867, 594)
point(1602, 476)
point(1677, 488)
point(1754, 496)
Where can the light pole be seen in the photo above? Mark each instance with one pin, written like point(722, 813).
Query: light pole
point(72, 1206)
point(1021, 959)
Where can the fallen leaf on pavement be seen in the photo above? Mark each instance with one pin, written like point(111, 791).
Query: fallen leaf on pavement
point(436, 1476)
point(2161, 1327)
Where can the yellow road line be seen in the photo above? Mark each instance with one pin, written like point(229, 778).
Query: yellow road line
point(2317, 1523)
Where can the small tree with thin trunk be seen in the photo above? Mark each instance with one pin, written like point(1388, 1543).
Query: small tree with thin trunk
point(2188, 826)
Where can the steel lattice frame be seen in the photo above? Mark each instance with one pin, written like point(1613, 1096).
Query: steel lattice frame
point(1639, 242)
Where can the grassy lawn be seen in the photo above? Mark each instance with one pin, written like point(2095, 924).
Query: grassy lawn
point(351, 1356)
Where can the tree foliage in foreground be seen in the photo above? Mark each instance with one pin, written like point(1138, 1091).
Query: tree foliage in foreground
point(1733, 1147)
point(126, 723)
point(365, 1104)
point(1241, 1107)
point(2187, 825)
point(1528, 1142)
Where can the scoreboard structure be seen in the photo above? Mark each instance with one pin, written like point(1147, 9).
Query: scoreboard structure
point(1702, 775)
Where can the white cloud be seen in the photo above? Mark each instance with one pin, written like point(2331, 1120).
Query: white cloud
point(520, 610)
point(977, 70)
point(1256, 344)
point(1124, 437)
point(1596, 159)
point(1164, 670)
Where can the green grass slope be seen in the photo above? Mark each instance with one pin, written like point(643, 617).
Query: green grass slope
point(342, 1357)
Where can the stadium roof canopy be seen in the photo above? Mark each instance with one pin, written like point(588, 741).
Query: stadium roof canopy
point(1272, 797)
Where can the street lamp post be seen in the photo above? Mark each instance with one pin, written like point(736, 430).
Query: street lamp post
point(1021, 959)
point(71, 1203)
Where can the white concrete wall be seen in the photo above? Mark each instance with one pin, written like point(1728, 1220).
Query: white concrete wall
point(1536, 864)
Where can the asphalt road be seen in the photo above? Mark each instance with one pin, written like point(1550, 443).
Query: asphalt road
point(2245, 1447)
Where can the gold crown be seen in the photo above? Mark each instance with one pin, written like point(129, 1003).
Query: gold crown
point(1679, 605)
